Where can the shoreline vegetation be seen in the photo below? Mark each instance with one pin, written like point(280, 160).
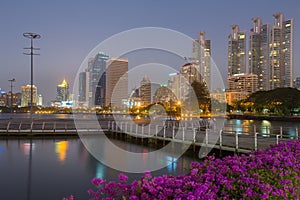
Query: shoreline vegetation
point(273, 173)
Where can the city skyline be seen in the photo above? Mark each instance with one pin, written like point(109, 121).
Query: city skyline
point(67, 36)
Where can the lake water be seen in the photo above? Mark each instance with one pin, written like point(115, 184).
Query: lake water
point(54, 168)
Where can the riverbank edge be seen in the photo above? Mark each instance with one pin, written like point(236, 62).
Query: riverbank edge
point(260, 117)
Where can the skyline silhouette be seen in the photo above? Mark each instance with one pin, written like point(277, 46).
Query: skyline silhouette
point(71, 30)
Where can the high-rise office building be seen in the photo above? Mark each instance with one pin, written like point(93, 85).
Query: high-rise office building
point(259, 61)
point(26, 95)
point(145, 90)
point(281, 52)
point(201, 55)
point(82, 87)
point(96, 69)
point(116, 82)
point(236, 51)
point(39, 100)
point(62, 91)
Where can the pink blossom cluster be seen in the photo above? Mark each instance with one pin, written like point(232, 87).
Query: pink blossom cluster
point(266, 174)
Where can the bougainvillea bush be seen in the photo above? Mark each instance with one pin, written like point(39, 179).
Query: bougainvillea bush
point(269, 174)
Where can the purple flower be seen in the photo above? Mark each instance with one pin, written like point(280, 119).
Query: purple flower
point(122, 177)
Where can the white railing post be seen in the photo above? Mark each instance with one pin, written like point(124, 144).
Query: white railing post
point(255, 141)
point(173, 132)
point(164, 131)
point(221, 139)
point(183, 128)
point(296, 133)
point(156, 130)
point(149, 130)
point(281, 132)
point(136, 129)
point(194, 135)
point(277, 139)
point(206, 137)
point(236, 141)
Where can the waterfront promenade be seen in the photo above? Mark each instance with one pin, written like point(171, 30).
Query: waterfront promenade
point(229, 138)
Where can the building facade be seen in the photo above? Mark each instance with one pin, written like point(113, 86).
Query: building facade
point(39, 100)
point(116, 82)
point(202, 56)
point(236, 51)
point(258, 55)
point(297, 82)
point(96, 69)
point(26, 95)
point(62, 91)
point(240, 86)
point(243, 83)
point(145, 91)
point(281, 52)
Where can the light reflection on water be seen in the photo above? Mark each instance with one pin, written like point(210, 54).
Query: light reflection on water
point(62, 167)
point(61, 148)
point(263, 127)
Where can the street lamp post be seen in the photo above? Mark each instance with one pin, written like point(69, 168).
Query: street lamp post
point(31, 36)
point(11, 95)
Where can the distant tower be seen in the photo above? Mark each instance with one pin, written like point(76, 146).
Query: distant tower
point(62, 91)
point(201, 55)
point(236, 51)
point(82, 87)
point(40, 100)
point(116, 82)
point(25, 101)
point(145, 90)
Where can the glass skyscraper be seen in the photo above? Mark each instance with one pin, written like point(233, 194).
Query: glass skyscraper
point(201, 56)
point(96, 69)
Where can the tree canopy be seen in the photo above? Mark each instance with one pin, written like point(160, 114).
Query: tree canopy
point(279, 101)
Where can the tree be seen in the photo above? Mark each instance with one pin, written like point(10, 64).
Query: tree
point(202, 94)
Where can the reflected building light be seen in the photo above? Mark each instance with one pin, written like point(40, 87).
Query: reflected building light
point(171, 163)
point(1, 150)
point(26, 148)
point(100, 171)
point(61, 150)
point(145, 154)
point(291, 132)
point(265, 127)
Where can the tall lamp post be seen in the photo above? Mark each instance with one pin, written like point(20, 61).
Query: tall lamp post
point(31, 36)
point(11, 95)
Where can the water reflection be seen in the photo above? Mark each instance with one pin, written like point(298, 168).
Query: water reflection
point(1, 150)
point(61, 148)
point(265, 128)
point(27, 148)
point(100, 171)
point(172, 164)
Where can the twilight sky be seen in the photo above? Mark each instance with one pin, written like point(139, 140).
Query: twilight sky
point(71, 29)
